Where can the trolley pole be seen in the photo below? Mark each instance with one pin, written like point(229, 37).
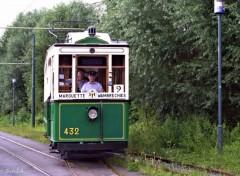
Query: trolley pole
point(219, 10)
point(33, 81)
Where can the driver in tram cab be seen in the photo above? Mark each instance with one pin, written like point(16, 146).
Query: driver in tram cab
point(92, 84)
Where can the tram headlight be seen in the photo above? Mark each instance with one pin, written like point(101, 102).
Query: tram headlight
point(92, 113)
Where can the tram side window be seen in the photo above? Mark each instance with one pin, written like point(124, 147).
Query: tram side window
point(97, 64)
point(65, 73)
point(118, 68)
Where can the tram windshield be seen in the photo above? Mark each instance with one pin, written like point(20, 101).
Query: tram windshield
point(109, 72)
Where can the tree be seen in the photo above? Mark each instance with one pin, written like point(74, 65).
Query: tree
point(174, 54)
point(16, 46)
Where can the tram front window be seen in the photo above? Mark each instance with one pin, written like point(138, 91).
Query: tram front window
point(96, 65)
point(110, 71)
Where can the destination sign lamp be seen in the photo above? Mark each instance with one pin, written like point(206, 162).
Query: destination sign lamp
point(219, 6)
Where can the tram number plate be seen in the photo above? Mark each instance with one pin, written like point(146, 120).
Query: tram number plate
point(71, 131)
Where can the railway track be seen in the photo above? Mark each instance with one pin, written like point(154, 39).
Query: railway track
point(72, 168)
point(38, 168)
point(179, 168)
point(31, 164)
point(29, 148)
point(34, 166)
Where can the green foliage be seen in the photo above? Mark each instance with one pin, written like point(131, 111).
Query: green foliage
point(187, 134)
point(195, 134)
point(168, 134)
point(174, 54)
point(140, 165)
point(23, 129)
point(22, 116)
point(235, 134)
point(190, 140)
point(231, 155)
point(5, 120)
point(16, 46)
point(39, 119)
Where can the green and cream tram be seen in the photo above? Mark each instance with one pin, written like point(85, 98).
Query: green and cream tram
point(89, 122)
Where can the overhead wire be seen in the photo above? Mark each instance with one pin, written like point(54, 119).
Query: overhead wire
point(38, 28)
point(29, 6)
point(44, 28)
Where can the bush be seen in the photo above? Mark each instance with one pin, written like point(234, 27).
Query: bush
point(39, 119)
point(22, 116)
point(235, 134)
point(168, 133)
point(138, 135)
point(195, 134)
point(5, 119)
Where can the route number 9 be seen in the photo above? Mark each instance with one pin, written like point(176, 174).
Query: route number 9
point(118, 88)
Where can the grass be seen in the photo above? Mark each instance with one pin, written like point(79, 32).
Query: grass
point(24, 128)
point(149, 167)
point(26, 131)
point(192, 141)
point(139, 165)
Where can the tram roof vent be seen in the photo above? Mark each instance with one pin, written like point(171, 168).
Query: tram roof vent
point(91, 30)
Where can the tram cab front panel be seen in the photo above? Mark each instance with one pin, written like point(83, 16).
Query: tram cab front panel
point(72, 124)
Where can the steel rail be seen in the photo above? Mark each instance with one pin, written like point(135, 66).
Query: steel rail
point(165, 168)
point(72, 173)
point(26, 161)
point(69, 168)
point(27, 147)
point(37, 151)
point(110, 167)
point(184, 166)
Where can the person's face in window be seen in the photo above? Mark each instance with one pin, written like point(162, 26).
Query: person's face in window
point(80, 75)
point(91, 78)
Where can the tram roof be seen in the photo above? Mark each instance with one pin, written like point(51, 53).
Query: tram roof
point(85, 38)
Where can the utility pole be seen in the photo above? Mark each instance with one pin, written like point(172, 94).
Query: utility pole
point(33, 81)
point(13, 118)
point(219, 9)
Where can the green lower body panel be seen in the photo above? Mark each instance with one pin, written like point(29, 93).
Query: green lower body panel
point(47, 118)
point(70, 122)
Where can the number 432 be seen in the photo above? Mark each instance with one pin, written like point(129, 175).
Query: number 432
point(71, 131)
